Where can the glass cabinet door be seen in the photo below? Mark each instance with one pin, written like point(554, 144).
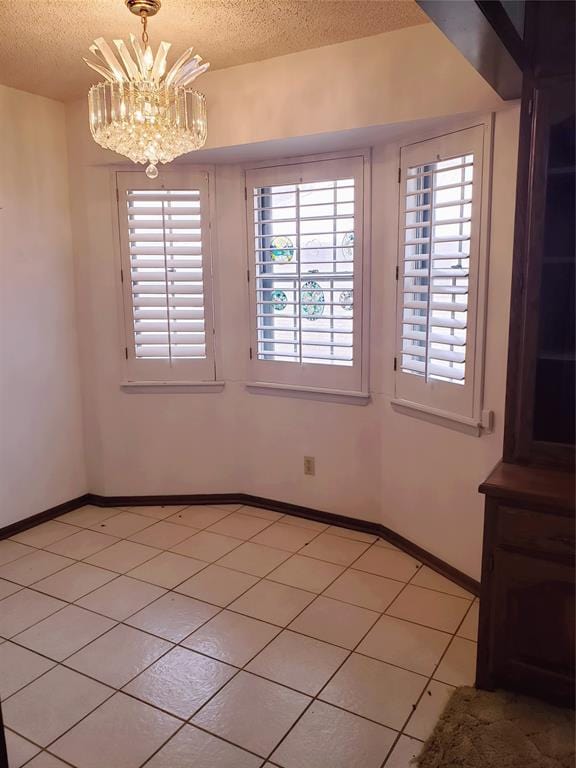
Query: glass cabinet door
point(554, 393)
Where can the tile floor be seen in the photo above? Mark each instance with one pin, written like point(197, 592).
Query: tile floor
point(222, 637)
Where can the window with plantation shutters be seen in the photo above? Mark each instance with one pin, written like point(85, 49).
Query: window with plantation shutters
point(441, 273)
point(166, 276)
point(305, 224)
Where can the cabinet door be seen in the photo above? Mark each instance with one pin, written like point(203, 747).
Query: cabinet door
point(542, 351)
point(533, 618)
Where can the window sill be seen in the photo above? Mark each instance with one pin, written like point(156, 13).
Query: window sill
point(164, 387)
point(308, 393)
point(462, 424)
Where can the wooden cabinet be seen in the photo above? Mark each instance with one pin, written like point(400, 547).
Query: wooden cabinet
point(526, 636)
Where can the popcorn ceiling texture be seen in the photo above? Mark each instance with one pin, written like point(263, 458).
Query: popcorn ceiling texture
point(42, 44)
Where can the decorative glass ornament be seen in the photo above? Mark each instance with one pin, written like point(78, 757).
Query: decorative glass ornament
point(280, 300)
point(282, 249)
point(346, 300)
point(347, 248)
point(312, 299)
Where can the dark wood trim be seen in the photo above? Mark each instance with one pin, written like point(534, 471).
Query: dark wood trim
point(433, 562)
point(518, 338)
point(507, 32)
point(237, 498)
point(42, 517)
point(187, 499)
point(484, 660)
point(537, 487)
point(3, 750)
point(466, 26)
point(538, 102)
point(364, 526)
point(529, 232)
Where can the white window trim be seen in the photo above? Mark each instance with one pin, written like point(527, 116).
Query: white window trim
point(359, 395)
point(152, 382)
point(476, 420)
point(312, 393)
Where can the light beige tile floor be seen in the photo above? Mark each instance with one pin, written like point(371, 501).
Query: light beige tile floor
point(162, 534)
point(7, 588)
point(236, 635)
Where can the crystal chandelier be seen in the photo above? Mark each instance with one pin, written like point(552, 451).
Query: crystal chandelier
point(139, 111)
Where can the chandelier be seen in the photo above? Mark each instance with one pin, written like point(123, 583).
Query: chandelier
point(140, 111)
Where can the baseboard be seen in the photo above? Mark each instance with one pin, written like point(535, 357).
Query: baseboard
point(365, 526)
point(188, 499)
point(433, 562)
point(42, 517)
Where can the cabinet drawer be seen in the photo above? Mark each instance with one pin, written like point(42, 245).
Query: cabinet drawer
point(536, 532)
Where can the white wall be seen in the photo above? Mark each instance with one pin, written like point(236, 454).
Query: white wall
point(388, 78)
point(366, 456)
point(41, 445)
point(417, 478)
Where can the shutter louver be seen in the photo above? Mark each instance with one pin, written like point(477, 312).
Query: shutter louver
point(166, 273)
point(436, 249)
point(304, 248)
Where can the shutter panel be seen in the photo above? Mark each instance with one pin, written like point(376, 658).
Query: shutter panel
point(165, 250)
point(442, 260)
point(304, 260)
point(438, 201)
point(306, 241)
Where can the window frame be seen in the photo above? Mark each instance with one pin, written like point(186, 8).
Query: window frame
point(143, 372)
point(445, 401)
point(312, 378)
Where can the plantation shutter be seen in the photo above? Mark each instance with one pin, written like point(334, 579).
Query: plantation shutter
point(439, 269)
point(305, 224)
point(166, 273)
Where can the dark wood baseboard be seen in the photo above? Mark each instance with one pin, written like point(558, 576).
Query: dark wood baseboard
point(188, 499)
point(42, 517)
point(365, 526)
point(433, 562)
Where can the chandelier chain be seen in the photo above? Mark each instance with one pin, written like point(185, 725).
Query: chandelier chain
point(144, 20)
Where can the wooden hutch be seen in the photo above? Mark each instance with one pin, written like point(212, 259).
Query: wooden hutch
point(526, 635)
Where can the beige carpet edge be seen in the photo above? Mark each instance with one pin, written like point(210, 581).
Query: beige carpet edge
point(482, 729)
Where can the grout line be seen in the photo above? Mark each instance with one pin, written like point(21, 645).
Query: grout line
point(116, 574)
point(338, 668)
point(430, 680)
point(125, 622)
point(113, 692)
point(241, 669)
point(224, 608)
point(58, 570)
point(414, 706)
point(43, 750)
point(283, 628)
point(173, 645)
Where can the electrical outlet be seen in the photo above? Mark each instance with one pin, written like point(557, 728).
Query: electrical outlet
point(309, 465)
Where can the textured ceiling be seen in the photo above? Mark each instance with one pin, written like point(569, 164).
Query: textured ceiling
point(42, 43)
